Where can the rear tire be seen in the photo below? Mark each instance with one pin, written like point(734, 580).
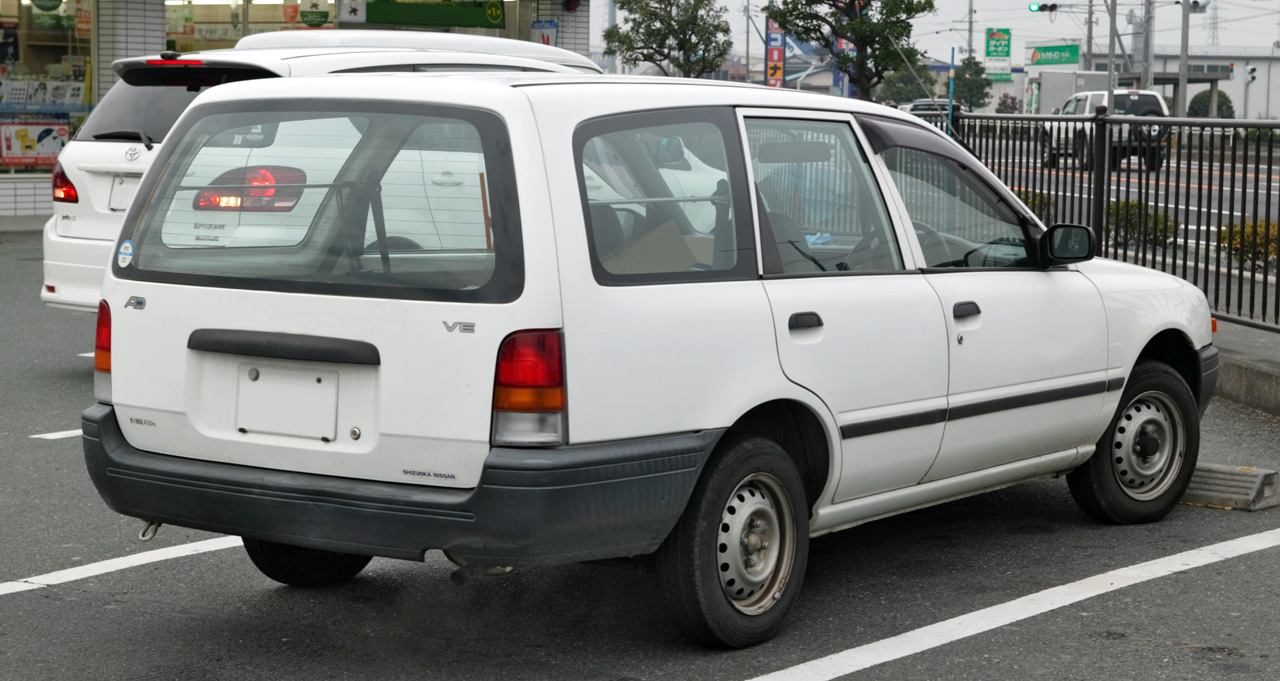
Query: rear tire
point(1153, 160)
point(1048, 157)
point(1084, 155)
point(733, 565)
point(299, 566)
point(1145, 460)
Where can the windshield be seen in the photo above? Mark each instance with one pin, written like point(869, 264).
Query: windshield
point(401, 202)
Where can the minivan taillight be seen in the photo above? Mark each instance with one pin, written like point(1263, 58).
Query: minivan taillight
point(102, 355)
point(529, 391)
point(63, 190)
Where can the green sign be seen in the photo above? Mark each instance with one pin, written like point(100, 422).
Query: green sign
point(1058, 54)
point(465, 13)
point(47, 5)
point(995, 77)
point(999, 42)
point(313, 18)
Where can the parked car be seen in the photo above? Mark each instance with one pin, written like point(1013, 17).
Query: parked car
point(928, 106)
point(98, 171)
point(389, 314)
point(1150, 142)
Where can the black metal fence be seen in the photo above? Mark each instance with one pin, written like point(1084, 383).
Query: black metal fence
point(1190, 197)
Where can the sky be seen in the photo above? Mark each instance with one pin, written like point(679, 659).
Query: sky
point(1242, 23)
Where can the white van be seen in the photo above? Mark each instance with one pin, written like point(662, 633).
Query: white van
point(389, 314)
point(98, 171)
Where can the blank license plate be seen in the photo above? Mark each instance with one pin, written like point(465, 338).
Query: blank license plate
point(287, 401)
point(122, 190)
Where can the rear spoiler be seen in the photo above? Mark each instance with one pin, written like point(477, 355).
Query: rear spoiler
point(189, 72)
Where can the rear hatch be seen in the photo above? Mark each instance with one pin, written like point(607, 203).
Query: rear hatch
point(119, 141)
point(324, 288)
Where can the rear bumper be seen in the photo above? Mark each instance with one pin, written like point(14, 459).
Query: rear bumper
point(564, 505)
point(75, 268)
point(1208, 377)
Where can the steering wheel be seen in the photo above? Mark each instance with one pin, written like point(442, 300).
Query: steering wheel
point(929, 238)
point(868, 250)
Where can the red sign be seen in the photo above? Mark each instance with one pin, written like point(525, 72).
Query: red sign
point(32, 144)
point(290, 12)
point(773, 26)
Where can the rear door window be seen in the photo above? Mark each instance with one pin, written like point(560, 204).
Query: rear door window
point(406, 202)
point(1138, 105)
point(148, 109)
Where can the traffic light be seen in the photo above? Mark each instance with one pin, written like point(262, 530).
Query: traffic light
point(1043, 7)
point(1253, 74)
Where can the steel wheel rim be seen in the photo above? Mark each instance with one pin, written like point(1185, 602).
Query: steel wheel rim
point(755, 544)
point(1147, 446)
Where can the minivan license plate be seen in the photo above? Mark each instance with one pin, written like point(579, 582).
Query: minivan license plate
point(123, 188)
point(287, 402)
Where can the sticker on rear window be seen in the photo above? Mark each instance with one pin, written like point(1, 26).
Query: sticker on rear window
point(125, 256)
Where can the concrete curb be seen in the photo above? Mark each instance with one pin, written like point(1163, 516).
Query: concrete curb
point(1251, 381)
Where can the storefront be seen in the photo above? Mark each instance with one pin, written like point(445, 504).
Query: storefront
point(55, 55)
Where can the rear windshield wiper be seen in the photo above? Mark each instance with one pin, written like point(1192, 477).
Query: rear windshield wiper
point(126, 135)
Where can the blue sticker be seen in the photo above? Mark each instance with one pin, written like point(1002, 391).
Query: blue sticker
point(125, 256)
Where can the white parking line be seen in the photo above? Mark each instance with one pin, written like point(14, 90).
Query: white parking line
point(58, 435)
point(114, 564)
point(964, 626)
point(85, 354)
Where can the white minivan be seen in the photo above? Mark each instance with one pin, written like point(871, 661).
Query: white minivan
point(532, 319)
point(98, 171)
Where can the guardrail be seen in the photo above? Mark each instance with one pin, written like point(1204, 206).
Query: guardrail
point(1197, 198)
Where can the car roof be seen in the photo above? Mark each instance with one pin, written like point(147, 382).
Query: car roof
point(420, 40)
point(412, 86)
point(293, 61)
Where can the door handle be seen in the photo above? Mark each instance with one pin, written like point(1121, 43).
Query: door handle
point(966, 309)
point(804, 320)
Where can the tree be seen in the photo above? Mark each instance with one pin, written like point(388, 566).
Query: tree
point(880, 30)
point(903, 85)
point(689, 37)
point(1008, 104)
point(973, 88)
point(1199, 106)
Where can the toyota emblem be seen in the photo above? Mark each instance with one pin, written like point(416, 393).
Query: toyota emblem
point(132, 154)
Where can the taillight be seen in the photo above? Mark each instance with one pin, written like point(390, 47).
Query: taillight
point(265, 189)
point(102, 339)
point(102, 355)
point(529, 391)
point(63, 190)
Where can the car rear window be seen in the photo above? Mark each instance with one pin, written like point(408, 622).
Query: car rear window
point(150, 110)
point(1138, 105)
point(314, 197)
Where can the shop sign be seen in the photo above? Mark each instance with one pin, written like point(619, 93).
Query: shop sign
point(31, 141)
point(290, 13)
point(47, 5)
point(1057, 54)
point(775, 64)
point(546, 32)
point(313, 16)
point(459, 13)
point(999, 42)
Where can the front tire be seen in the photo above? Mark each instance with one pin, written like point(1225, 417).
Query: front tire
point(1145, 460)
point(299, 566)
point(733, 565)
point(1048, 157)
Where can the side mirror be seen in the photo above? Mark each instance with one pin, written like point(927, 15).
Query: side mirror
point(670, 150)
point(1056, 111)
point(1066, 244)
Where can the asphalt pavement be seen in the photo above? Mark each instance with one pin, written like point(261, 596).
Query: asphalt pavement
point(213, 616)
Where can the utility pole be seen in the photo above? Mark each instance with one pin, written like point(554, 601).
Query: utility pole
point(1111, 60)
point(746, 31)
point(1088, 40)
point(971, 54)
point(1148, 50)
point(1180, 104)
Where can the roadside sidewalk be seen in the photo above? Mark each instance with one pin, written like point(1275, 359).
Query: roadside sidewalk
point(1249, 369)
point(22, 223)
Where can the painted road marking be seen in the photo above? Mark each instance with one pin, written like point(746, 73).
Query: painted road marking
point(58, 435)
point(115, 564)
point(964, 626)
point(85, 354)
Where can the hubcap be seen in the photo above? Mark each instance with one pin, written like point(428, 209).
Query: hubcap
point(1147, 446)
point(755, 545)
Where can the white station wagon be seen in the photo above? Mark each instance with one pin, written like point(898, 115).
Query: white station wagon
point(532, 319)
